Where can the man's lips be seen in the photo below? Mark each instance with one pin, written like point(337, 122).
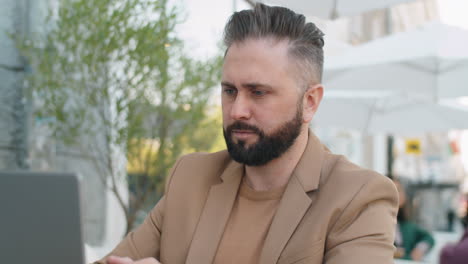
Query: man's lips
point(243, 134)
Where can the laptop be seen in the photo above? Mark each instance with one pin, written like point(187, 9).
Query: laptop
point(40, 218)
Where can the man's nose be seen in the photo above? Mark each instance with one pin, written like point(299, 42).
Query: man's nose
point(241, 109)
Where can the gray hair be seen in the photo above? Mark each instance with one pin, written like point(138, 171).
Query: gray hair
point(305, 39)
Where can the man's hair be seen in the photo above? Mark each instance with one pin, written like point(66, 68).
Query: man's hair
point(305, 39)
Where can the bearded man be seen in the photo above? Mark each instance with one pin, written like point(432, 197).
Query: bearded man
point(277, 195)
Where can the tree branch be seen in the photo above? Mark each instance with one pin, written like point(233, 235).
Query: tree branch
point(12, 68)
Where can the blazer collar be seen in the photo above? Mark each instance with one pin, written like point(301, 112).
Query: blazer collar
point(295, 201)
point(215, 215)
point(308, 168)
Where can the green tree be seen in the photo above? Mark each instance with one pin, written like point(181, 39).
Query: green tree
point(112, 76)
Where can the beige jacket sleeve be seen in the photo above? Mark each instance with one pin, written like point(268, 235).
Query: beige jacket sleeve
point(145, 240)
point(364, 233)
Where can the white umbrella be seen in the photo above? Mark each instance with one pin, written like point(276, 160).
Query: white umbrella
point(330, 9)
point(334, 47)
point(430, 62)
point(386, 113)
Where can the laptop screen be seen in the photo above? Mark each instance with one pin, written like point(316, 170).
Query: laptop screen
point(40, 218)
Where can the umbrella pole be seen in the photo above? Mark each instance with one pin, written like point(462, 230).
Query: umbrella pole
point(334, 11)
point(390, 157)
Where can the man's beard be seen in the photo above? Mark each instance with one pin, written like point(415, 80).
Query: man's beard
point(267, 147)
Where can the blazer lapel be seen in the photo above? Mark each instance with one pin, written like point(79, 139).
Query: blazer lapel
point(292, 208)
point(295, 201)
point(215, 215)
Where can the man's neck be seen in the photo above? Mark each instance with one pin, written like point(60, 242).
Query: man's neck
point(276, 173)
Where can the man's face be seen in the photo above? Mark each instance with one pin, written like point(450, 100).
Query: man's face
point(262, 103)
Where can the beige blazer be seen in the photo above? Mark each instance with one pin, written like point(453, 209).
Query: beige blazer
point(332, 212)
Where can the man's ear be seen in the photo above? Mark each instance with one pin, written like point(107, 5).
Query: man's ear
point(311, 101)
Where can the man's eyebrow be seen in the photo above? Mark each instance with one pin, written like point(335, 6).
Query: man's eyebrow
point(251, 86)
point(228, 84)
point(255, 85)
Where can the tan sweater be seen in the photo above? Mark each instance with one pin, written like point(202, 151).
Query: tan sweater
point(248, 225)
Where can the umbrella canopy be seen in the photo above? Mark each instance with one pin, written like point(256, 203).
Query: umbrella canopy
point(429, 62)
point(387, 113)
point(330, 9)
point(334, 47)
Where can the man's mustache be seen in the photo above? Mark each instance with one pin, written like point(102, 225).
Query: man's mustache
point(238, 125)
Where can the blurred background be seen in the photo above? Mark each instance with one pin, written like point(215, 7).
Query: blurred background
point(116, 90)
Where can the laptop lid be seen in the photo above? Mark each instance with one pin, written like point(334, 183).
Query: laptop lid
point(40, 218)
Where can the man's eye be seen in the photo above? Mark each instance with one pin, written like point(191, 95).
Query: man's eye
point(258, 92)
point(229, 91)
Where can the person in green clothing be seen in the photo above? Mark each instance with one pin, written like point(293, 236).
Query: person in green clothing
point(412, 241)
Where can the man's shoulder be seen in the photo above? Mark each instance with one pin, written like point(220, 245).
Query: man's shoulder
point(340, 173)
point(204, 160)
point(198, 169)
point(344, 168)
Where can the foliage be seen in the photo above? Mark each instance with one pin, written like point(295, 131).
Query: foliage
point(111, 75)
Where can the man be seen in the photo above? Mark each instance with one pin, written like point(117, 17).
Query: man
point(277, 195)
point(412, 241)
point(457, 253)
